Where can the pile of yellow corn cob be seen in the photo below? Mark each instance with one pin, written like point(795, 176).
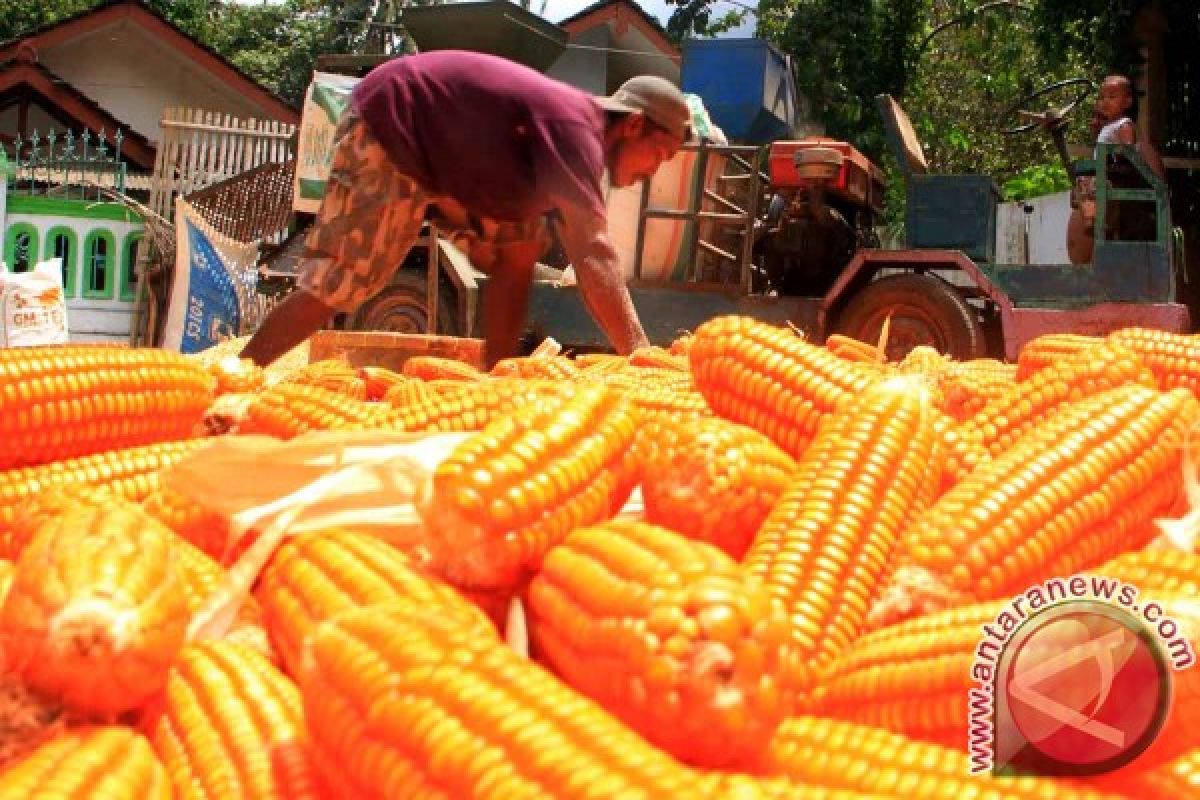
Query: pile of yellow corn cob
point(792, 611)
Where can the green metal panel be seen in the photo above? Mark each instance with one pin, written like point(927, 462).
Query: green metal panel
point(952, 212)
point(1120, 272)
point(665, 312)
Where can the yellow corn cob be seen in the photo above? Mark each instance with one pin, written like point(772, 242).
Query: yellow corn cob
point(66, 401)
point(983, 367)
point(868, 759)
point(962, 446)
point(97, 609)
point(912, 678)
point(680, 345)
point(99, 763)
point(544, 366)
point(670, 636)
point(1011, 414)
point(410, 390)
point(516, 488)
point(201, 575)
point(231, 725)
point(429, 368)
point(656, 376)
point(1048, 348)
point(7, 569)
point(131, 473)
point(924, 360)
point(767, 377)
point(737, 786)
point(710, 479)
point(332, 375)
point(1157, 569)
point(468, 406)
point(1083, 486)
point(655, 391)
point(315, 577)
point(290, 409)
point(853, 350)
point(966, 394)
point(402, 702)
point(1177, 778)
point(1174, 358)
point(657, 357)
point(668, 402)
point(600, 361)
point(199, 525)
point(828, 544)
point(379, 381)
point(235, 375)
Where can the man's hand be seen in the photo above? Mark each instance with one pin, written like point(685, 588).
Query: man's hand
point(299, 316)
point(601, 282)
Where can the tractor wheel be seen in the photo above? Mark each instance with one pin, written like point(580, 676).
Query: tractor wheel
point(925, 311)
point(400, 308)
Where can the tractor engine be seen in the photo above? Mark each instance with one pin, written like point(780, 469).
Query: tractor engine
point(825, 196)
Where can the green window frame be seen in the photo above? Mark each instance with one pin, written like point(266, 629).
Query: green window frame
point(100, 264)
point(72, 258)
point(129, 265)
point(15, 232)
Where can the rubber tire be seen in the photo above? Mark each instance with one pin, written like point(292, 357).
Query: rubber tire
point(925, 311)
point(400, 308)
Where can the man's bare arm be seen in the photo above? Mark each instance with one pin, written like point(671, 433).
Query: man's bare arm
point(601, 282)
point(299, 316)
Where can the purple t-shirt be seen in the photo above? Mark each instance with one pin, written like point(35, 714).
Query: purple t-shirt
point(500, 138)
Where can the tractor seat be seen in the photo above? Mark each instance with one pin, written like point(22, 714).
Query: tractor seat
point(943, 212)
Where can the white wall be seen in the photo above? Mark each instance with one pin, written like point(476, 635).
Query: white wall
point(136, 89)
point(37, 120)
point(1047, 230)
point(88, 319)
point(582, 68)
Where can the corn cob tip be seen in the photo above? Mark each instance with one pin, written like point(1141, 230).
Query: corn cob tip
point(912, 592)
point(224, 415)
point(27, 719)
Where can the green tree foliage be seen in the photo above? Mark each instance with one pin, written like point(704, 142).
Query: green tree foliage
point(962, 96)
point(17, 17)
point(845, 53)
point(276, 43)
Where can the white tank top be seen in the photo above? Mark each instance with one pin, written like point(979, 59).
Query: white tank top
point(1108, 134)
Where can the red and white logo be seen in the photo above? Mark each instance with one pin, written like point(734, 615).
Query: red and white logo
point(1081, 689)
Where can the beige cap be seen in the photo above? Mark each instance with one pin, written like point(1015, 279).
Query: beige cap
point(657, 98)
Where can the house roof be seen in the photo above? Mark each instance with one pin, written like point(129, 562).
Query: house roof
point(139, 13)
point(605, 10)
point(24, 76)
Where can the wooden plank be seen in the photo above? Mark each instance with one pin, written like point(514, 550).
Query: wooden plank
point(200, 125)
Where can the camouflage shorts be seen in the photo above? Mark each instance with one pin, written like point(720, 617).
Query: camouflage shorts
point(372, 214)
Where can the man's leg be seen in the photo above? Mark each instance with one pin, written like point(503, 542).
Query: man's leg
point(507, 253)
point(369, 218)
point(506, 300)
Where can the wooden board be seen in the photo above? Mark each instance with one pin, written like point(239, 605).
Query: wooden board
point(391, 350)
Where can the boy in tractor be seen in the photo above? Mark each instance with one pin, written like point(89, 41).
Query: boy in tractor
point(1113, 122)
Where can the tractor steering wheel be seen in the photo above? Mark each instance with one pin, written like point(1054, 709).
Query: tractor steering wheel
point(1055, 116)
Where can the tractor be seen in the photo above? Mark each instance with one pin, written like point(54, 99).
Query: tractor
point(814, 262)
